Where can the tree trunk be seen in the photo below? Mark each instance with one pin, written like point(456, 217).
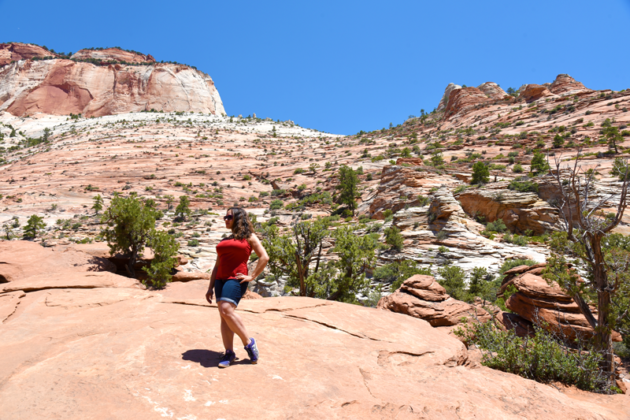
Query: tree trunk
point(132, 261)
point(603, 332)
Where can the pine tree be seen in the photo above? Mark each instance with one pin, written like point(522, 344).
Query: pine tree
point(98, 203)
point(348, 182)
point(183, 208)
point(539, 163)
point(34, 226)
point(481, 174)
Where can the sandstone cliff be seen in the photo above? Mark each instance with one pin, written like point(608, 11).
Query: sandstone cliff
point(62, 86)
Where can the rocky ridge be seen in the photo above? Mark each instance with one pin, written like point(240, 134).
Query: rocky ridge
point(99, 82)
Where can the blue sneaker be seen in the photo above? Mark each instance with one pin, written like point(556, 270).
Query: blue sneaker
point(252, 351)
point(227, 359)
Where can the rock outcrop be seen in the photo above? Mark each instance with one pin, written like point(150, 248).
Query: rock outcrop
point(567, 85)
point(422, 297)
point(113, 54)
point(16, 51)
point(460, 99)
point(61, 87)
point(401, 187)
point(445, 98)
point(545, 304)
point(492, 90)
point(533, 92)
point(519, 211)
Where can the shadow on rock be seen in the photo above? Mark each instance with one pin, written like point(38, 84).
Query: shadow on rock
point(208, 358)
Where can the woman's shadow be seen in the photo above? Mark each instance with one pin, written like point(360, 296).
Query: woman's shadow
point(207, 358)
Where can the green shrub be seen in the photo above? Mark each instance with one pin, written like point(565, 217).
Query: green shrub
point(397, 272)
point(423, 200)
point(496, 226)
point(452, 279)
point(523, 186)
point(159, 271)
point(517, 169)
point(393, 238)
point(515, 239)
point(276, 205)
point(543, 357)
point(481, 174)
point(299, 171)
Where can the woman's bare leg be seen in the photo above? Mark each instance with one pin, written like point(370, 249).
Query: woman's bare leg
point(233, 321)
point(227, 334)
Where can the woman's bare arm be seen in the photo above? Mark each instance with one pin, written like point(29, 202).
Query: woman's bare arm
point(213, 278)
point(263, 259)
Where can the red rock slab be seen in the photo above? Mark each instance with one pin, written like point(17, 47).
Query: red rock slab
point(21, 259)
point(464, 97)
point(424, 287)
point(568, 323)
point(16, 51)
point(9, 303)
point(142, 359)
point(69, 279)
point(565, 83)
point(533, 92)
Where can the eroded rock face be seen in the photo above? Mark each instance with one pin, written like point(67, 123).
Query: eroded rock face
point(16, 51)
point(519, 211)
point(533, 92)
point(565, 84)
point(400, 187)
point(460, 99)
point(544, 303)
point(445, 98)
point(61, 87)
point(492, 90)
point(113, 54)
point(423, 297)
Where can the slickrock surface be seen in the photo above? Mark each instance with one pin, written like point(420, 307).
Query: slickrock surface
point(62, 86)
point(22, 259)
point(129, 353)
point(541, 302)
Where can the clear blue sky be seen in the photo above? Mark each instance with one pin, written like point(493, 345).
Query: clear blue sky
point(344, 66)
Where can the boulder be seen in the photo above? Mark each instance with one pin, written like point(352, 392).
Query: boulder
point(21, 259)
point(423, 297)
point(533, 92)
point(519, 211)
point(546, 304)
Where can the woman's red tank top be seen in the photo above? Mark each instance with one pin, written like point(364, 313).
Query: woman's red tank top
point(234, 255)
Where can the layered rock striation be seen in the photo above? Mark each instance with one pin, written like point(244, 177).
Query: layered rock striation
point(546, 304)
point(62, 86)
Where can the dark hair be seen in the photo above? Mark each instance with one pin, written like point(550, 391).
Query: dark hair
point(242, 227)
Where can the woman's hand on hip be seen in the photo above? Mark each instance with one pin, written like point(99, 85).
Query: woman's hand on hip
point(209, 295)
point(243, 278)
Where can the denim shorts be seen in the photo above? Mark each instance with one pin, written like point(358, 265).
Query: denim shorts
point(230, 290)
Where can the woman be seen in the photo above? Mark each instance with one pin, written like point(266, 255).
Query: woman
point(230, 278)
